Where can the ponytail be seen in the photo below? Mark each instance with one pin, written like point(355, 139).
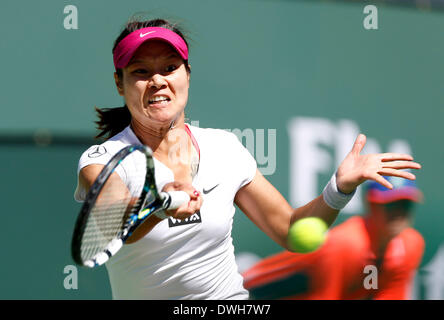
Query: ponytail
point(112, 121)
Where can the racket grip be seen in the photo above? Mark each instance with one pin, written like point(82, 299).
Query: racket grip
point(174, 199)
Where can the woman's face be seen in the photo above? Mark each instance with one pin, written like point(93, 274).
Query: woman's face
point(391, 218)
point(155, 84)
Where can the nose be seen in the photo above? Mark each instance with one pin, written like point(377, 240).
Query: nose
point(157, 82)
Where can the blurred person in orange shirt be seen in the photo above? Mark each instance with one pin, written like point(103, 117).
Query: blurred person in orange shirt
point(370, 257)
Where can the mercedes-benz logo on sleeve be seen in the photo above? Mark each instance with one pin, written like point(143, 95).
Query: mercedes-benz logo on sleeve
point(97, 152)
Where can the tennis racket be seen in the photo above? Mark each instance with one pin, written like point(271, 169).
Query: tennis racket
point(117, 204)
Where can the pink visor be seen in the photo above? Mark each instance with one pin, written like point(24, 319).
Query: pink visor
point(128, 45)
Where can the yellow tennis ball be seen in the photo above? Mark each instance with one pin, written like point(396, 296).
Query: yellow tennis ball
point(307, 234)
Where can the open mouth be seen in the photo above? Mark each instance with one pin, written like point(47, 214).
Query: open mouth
point(159, 100)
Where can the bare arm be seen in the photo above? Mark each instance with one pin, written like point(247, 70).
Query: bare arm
point(268, 209)
point(88, 175)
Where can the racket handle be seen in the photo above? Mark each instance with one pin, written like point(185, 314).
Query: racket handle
point(174, 199)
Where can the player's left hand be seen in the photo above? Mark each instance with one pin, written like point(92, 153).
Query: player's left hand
point(357, 168)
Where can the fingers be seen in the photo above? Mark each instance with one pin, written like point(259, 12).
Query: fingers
point(401, 164)
point(190, 208)
point(395, 156)
point(393, 163)
point(397, 173)
point(390, 172)
point(387, 171)
point(378, 178)
point(359, 144)
point(179, 186)
point(357, 168)
point(187, 209)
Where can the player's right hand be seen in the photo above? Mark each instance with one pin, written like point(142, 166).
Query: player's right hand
point(187, 209)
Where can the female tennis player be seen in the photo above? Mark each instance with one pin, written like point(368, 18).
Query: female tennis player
point(188, 253)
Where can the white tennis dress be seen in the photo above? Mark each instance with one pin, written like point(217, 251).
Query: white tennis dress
point(193, 258)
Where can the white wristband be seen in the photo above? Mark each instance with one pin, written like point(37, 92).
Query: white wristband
point(333, 197)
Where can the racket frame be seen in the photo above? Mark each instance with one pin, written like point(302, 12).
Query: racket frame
point(139, 213)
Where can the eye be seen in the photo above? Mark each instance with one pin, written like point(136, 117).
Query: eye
point(171, 68)
point(140, 71)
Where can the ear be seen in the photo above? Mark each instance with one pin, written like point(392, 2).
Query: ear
point(119, 84)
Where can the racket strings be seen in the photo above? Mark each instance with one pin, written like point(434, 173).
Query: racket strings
point(116, 203)
point(103, 227)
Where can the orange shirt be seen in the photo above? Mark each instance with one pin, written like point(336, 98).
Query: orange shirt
point(336, 270)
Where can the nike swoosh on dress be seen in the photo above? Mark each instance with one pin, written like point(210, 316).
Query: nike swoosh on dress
point(209, 190)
